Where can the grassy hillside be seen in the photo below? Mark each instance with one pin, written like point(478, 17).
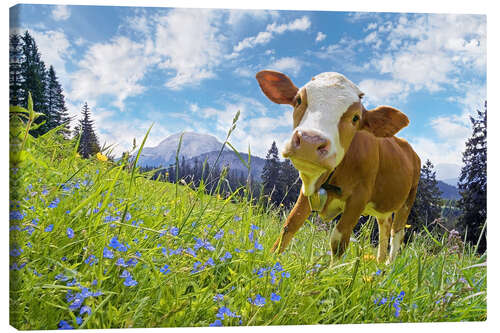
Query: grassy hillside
point(95, 245)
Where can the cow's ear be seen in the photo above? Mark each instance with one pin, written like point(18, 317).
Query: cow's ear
point(383, 121)
point(277, 86)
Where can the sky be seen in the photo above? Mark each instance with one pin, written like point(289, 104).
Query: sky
point(193, 69)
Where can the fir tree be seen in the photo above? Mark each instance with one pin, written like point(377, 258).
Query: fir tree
point(34, 76)
point(427, 205)
point(55, 103)
point(472, 183)
point(289, 179)
point(15, 71)
point(89, 144)
point(271, 175)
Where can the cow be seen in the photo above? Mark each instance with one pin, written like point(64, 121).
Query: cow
point(348, 159)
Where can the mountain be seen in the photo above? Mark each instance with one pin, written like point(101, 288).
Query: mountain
point(229, 158)
point(451, 181)
point(448, 191)
point(193, 144)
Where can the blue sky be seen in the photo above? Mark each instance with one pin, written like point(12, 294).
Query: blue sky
point(189, 69)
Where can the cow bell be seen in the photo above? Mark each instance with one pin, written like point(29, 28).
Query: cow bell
point(318, 199)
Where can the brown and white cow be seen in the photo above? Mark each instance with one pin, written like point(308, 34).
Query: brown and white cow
point(348, 159)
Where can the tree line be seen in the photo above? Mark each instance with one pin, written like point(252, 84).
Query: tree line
point(28, 74)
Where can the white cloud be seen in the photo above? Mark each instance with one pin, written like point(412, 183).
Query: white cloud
point(61, 13)
point(120, 134)
point(320, 36)
point(264, 37)
point(190, 43)
point(287, 64)
point(379, 92)
point(236, 16)
point(244, 72)
point(114, 68)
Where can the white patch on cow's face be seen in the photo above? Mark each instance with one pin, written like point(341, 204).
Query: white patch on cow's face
point(329, 95)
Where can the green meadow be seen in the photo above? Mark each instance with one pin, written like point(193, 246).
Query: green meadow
point(98, 244)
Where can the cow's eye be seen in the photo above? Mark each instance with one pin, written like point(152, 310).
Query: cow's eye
point(298, 101)
point(355, 118)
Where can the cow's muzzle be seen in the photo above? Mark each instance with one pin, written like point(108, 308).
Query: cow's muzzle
point(309, 146)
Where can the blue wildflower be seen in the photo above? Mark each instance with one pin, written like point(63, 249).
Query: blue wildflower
point(85, 309)
point(165, 270)
point(218, 297)
point(210, 262)
point(237, 218)
point(226, 256)
point(16, 251)
point(378, 272)
point(129, 282)
point(178, 251)
point(61, 277)
point(219, 234)
point(107, 253)
point(174, 231)
point(131, 262)
point(275, 297)
point(79, 320)
point(64, 325)
point(45, 192)
point(125, 274)
point(70, 233)
point(91, 260)
point(258, 301)
point(190, 251)
point(16, 215)
point(254, 227)
point(49, 228)
point(250, 236)
point(54, 203)
point(203, 244)
point(16, 267)
point(258, 246)
point(121, 262)
point(216, 323)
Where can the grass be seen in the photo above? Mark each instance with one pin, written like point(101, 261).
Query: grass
point(96, 245)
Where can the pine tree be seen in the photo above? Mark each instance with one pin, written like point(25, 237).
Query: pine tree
point(289, 179)
point(472, 183)
point(15, 71)
point(427, 205)
point(271, 175)
point(34, 76)
point(55, 104)
point(89, 144)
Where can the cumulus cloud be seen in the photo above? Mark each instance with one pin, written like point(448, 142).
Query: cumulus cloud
point(320, 36)
point(114, 68)
point(61, 13)
point(190, 43)
point(263, 37)
point(287, 64)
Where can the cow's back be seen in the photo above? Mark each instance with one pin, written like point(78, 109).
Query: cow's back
point(398, 172)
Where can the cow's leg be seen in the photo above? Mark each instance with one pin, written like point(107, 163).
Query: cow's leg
point(294, 221)
point(341, 234)
point(384, 232)
point(398, 226)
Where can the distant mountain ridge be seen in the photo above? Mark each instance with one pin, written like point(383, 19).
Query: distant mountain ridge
point(448, 191)
point(193, 144)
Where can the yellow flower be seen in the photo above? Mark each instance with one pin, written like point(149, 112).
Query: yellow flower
point(77, 155)
point(368, 256)
point(367, 278)
point(408, 226)
point(101, 157)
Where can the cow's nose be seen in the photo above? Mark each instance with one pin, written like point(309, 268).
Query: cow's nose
point(309, 145)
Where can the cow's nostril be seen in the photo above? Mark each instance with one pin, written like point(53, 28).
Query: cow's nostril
point(323, 148)
point(296, 139)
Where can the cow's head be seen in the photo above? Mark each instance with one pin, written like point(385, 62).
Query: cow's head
point(327, 114)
